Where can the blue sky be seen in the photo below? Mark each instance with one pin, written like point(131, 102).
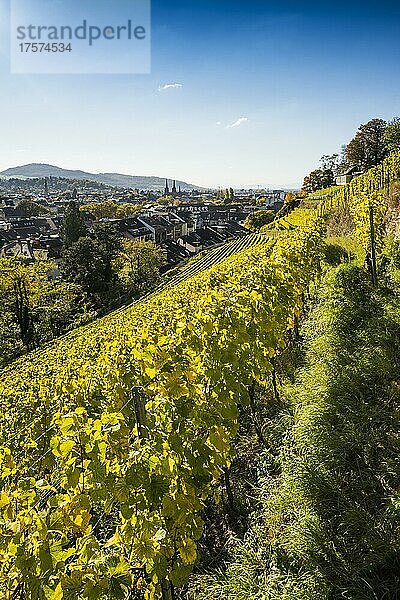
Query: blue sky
point(259, 91)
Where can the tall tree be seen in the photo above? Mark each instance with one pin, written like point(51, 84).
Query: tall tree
point(324, 177)
point(108, 238)
point(35, 307)
point(330, 162)
point(368, 147)
point(138, 266)
point(391, 137)
point(73, 224)
point(88, 264)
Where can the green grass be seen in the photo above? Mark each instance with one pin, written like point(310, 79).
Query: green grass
point(349, 246)
point(329, 526)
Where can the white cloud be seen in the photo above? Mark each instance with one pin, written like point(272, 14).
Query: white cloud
point(170, 86)
point(238, 123)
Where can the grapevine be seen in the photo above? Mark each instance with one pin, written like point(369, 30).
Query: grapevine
point(113, 440)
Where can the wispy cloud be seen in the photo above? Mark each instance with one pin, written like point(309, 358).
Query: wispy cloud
point(238, 123)
point(170, 86)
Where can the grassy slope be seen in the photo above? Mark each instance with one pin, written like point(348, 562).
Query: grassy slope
point(329, 527)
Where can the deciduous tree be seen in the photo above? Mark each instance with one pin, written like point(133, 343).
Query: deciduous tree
point(391, 137)
point(89, 264)
point(258, 219)
point(324, 177)
point(73, 226)
point(138, 266)
point(36, 307)
point(368, 147)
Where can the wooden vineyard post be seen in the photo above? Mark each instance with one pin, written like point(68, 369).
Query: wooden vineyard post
point(373, 247)
point(140, 411)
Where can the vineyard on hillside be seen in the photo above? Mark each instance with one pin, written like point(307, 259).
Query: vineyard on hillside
point(113, 440)
point(115, 436)
point(195, 266)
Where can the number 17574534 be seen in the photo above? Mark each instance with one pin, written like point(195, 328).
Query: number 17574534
point(42, 47)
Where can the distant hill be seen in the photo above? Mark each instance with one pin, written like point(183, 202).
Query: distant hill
point(35, 170)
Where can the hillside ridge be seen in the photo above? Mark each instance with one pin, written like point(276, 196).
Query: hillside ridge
point(37, 170)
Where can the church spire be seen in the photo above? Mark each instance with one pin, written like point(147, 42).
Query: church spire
point(166, 190)
point(174, 188)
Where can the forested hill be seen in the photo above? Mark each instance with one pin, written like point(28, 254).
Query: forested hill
point(37, 170)
point(235, 435)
